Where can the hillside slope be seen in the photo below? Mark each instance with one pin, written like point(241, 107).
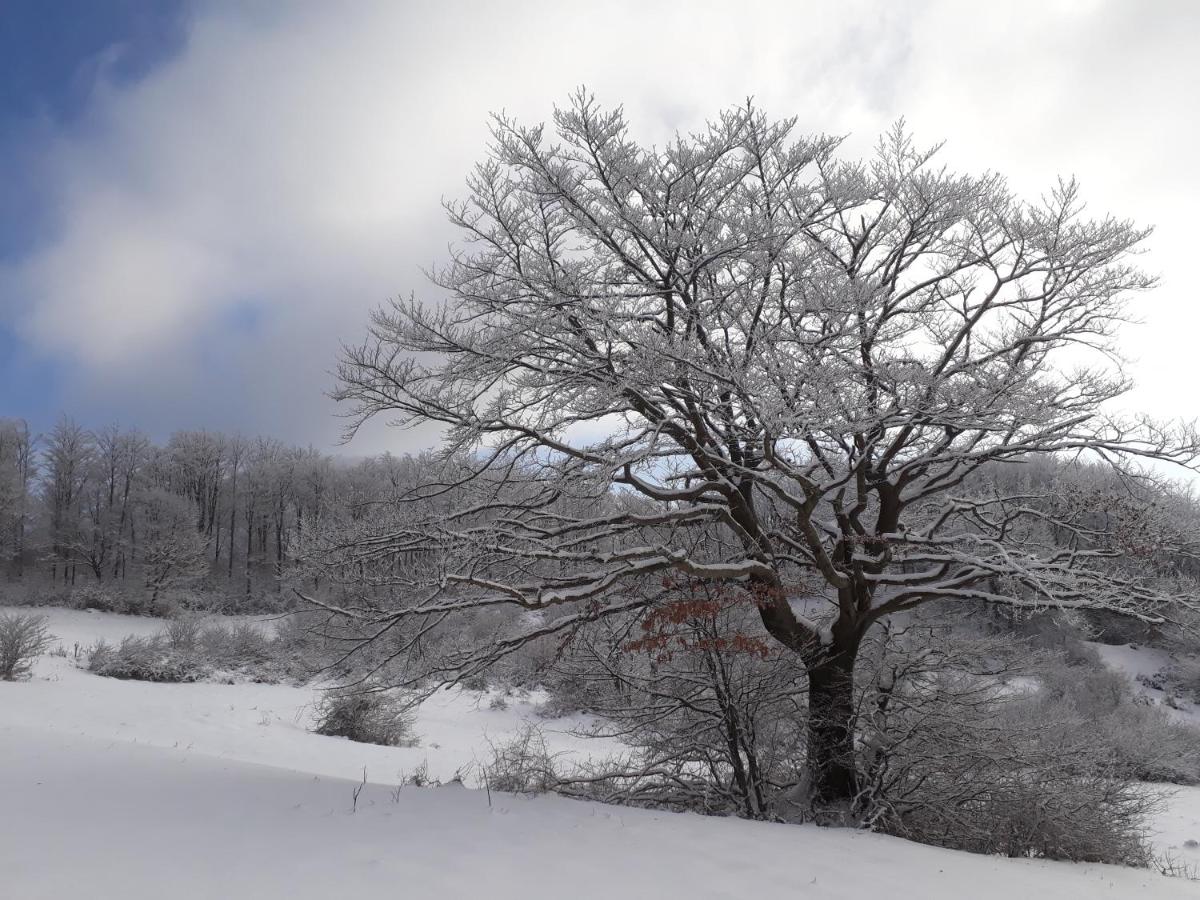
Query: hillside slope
point(139, 791)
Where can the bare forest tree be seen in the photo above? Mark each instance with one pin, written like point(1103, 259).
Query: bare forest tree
point(174, 549)
point(118, 459)
point(111, 519)
point(742, 336)
point(67, 459)
point(17, 470)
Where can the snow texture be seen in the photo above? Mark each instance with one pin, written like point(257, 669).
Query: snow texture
point(140, 791)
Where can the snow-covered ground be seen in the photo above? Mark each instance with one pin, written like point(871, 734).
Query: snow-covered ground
point(134, 790)
point(254, 723)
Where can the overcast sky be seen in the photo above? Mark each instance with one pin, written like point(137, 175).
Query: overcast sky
point(201, 201)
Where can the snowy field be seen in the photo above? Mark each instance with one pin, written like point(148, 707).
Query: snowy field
point(137, 790)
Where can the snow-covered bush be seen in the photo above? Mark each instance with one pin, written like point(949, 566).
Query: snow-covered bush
point(1043, 767)
point(1140, 738)
point(368, 716)
point(102, 598)
point(996, 778)
point(1184, 676)
point(22, 640)
point(145, 659)
point(567, 693)
point(1024, 801)
point(240, 645)
point(121, 598)
point(1108, 628)
point(182, 633)
point(521, 765)
point(188, 649)
point(1183, 643)
point(16, 593)
point(713, 713)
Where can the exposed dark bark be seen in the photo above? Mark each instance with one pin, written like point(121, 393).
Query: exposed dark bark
point(833, 776)
point(832, 772)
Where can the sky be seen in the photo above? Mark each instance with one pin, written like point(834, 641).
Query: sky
point(201, 202)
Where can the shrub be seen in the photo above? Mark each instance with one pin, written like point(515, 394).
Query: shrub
point(1184, 675)
point(714, 716)
point(1111, 628)
point(1140, 738)
point(957, 757)
point(241, 645)
point(19, 594)
point(953, 758)
point(478, 683)
point(22, 640)
point(521, 765)
point(1033, 806)
point(112, 598)
point(369, 716)
point(182, 633)
point(145, 659)
point(100, 598)
point(189, 650)
point(571, 688)
point(1004, 777)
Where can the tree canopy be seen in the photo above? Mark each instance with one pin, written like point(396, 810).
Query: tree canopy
point(742, 358)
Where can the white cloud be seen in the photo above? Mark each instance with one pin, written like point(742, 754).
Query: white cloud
point(285, 171)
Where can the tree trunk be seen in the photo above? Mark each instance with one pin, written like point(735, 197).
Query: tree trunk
point(833, 777)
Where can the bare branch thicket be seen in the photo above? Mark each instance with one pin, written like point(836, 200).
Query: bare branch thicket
point(712, 710)
point(981, 743)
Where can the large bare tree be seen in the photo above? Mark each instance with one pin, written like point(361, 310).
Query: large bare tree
point(763, 364)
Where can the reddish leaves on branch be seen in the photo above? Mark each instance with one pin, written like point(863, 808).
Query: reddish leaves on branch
point(699, 620)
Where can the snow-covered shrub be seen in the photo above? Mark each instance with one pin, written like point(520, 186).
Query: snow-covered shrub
point(575, 684)
point(521, 765)
point(714, 715)
point(101, 598)
point(1033, 803)
point(368, 716)
point(477, 682)
point(956, 754)
point(418, 777)
point(182, 633)
point(121, 598)
point(29, 592)
point(998, 780)
point(300, 651)
point(241, 645)
point(145, 659)
point(1183, 676)
point(188, 649)
point(19, 594)
point(1183, 643)
point(296, 631)
point(1139, 737)
point(976, 741)
point(22, 640)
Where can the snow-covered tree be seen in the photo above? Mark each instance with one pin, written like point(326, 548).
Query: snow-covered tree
point(172, 549)
point(17, 471)
point(107, 530)
point(804, 357)
point(67, 460)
